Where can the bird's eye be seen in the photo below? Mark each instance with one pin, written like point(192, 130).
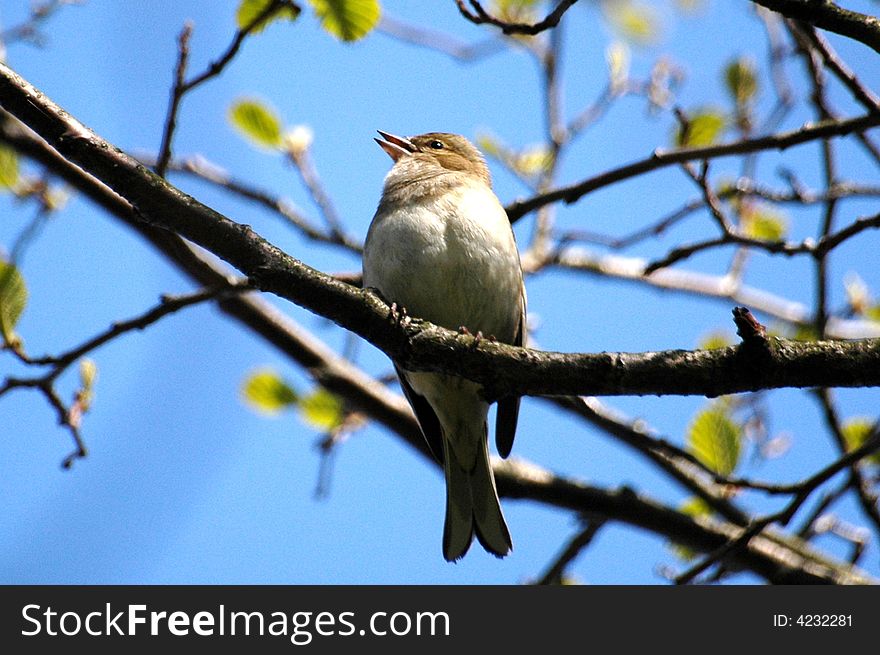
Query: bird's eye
point(436, 145)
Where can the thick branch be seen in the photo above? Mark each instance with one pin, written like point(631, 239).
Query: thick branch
point(503, 370)
point(831, 17)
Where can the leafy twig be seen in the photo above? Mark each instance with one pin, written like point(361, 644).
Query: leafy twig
point(182, 86)
point(556, 571)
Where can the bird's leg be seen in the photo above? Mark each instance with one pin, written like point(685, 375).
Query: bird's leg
point(396, 313)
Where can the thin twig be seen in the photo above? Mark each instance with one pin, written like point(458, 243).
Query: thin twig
point(213, 174)
point(785, 515)
point(182, 86)
point(556, 571)
point(842, 71)
point(308, 173)
point(59, 363)
point(663, 158)
point(29, 30)
point(703, 285)
point(174, 103)
point(216, 67)
point(480, 16)
point(868, 499)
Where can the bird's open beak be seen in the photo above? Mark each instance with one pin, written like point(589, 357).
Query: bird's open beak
point(395, 146)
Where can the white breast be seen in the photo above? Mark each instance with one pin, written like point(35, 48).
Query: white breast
point(452, 261)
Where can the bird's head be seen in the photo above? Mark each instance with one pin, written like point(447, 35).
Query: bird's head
point(451, 152)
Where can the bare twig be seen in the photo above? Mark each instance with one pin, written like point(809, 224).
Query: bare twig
point(29, 30)
point(45, 383)
point(308, 173)
point(785, 515)
point(868, 498)
point(743, 188)
point(677, 463)
point(842, 71)
point(182, 86)
point(174, 103)
point(807, 246)
point(213, 174)
point(480, 16)
point(556, 571)
point(706, 286)
point(216, 67)
point(663, 158)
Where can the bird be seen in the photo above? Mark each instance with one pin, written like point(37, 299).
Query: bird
point(441, 247)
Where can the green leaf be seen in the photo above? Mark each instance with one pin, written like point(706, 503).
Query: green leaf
point(13, 299)
point(714, 439)
point(515, 11)
point(267, 392)
point(534, 160)
point(322, 409)
point(741, 80)
point(703, 129)
point(873, 313)
point(8, 167)
point(763, 222)
point(695, 506)
point(715, 341)
point(856, 431)
point(489, 144)
point(256, 121)
point(637, 22)
point(348, 20)
point(248, 11)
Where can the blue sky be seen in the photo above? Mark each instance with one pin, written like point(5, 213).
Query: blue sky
point(186, 484)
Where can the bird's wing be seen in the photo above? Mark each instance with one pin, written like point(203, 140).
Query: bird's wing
point(508, 408)
point(425, 415)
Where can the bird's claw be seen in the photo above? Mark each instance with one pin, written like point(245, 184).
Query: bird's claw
point(478, 337)
point(397, 313)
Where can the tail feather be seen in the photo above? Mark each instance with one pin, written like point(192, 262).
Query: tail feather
point(458, 530)
point(488, 519)
point(472, 505)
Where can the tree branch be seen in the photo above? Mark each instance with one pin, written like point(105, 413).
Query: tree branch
point(761, 553)
point(777, 562)
point(416, 345)
point(723, 288)
point(830, 16)
point(663, 158)
point(480, 16)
